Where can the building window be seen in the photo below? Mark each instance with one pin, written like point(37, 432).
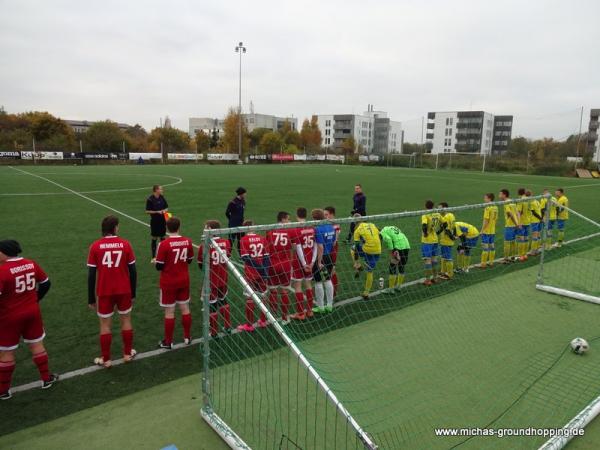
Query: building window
point(327, 141)
point(328, 123)
point(328, 132)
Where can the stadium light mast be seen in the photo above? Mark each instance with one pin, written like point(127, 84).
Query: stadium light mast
point(240, 49)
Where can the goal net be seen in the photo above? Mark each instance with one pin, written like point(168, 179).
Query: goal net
point(413, 352)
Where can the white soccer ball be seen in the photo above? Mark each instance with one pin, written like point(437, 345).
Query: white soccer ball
point(579, 346)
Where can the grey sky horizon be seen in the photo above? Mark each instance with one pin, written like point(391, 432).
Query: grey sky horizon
point(136, 62)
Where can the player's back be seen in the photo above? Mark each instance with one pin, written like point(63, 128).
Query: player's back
point(563, 201)
point(510, 214)
point(368, 234)
point(490, 213)
point(305, 237)
point(535, 207)
point(432, 222)
point(279, 244)
point(523, 209)
point(467, 229)
point(174, 253)
point(111, 256)
point(447, 223)
point(254, 246)
point(18, 280)
point(326, 235)
point(218, 262)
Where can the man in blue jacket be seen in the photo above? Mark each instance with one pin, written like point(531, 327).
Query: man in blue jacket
point(235, 214)
point(360, 207)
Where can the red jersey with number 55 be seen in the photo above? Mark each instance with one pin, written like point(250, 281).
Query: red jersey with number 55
point(280, 246)
point(218, 264)
point(254, 246)
point(306, 238)
point(18, 280)
point(111, 257)
point(175, 253)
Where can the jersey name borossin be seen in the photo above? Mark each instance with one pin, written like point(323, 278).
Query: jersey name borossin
point(22, 268)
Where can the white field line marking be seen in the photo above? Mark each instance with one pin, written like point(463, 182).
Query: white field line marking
point(21, 194)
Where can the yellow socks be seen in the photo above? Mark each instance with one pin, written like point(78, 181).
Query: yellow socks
point(368, 281)
point(392, 281)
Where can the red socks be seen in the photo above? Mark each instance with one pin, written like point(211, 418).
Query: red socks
point(249, 311)
point(334, 280)
point(169, 328)
point(6, 371)
point(310, 299)
point(186, 322)
point(105, 341)
point(299, 302)
point(127, 336)
point(213, 324)
point(41, 361)
point(285, 304)
point(273, 301)
point(224, 311)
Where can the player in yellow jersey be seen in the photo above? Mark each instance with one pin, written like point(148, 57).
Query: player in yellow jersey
point(430, 223)
point(523, 229)
point(549, 207)
point(468, 235)
point(535, 223)
point(446, 241)
point(562, 214)
point(488, 232)
point(367, 245)
point(511, 222)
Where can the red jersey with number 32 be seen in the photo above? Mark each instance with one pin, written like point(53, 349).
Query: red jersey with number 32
point(218, 263)
point(175, 252)
point(306, 238)
point(254, 246)
point(18, 280)
point(279, 245)
point(111, 257)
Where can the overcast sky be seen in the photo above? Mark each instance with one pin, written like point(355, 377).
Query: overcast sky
point(137, 61)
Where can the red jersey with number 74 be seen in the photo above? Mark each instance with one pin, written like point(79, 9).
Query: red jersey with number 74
point(254, 246)
point(111, 257)
point(175, 253)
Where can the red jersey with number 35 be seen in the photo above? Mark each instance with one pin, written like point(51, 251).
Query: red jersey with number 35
point(280, 245)
point(255, 246)
point(218, 264)
point(111, 257)
point(306, 238)
point(175, 252)
point(18, 280)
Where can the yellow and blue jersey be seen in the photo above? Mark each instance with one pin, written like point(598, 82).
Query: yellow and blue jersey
point(490, 213)
point(367, 235)
point(510, 215)
point(544, 204)
point(562, 214)
point(469, 231)
point(446, 226)
point(535, 207)
point(523, 210)
point(432, 222)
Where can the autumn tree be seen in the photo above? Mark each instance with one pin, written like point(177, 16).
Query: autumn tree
point(349, 146)
point(169, 140)
point(136, 138)
point(231, 133)
point(203, 141)
point(310, 135)
point(271, 143)
point(256, 136)
point(105, 136)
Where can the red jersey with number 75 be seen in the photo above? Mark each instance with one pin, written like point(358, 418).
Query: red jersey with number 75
point(18, 280)
point(175, 253)
point(218, 263)
point(280, 245)
point(254, 246)
point(111, 257)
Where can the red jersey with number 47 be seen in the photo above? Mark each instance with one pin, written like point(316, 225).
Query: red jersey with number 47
point(18, 280)
point(218, 263)
point(279, 245)
point(306, 238)
point(254, 246)
point(175, 252)
point(111, 257)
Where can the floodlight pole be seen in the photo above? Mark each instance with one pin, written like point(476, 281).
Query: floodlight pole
point(240, 49)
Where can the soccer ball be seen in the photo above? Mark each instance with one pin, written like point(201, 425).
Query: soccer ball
point(579, 346)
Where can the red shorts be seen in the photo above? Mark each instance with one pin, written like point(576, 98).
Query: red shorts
point(298, 272)
point(258, 285)
point(280, 274)
point(106, 305)
point(217, 292)
point(27, 323)
point(168, 297)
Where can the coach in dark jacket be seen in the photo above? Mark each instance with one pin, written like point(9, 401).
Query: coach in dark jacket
point(359, 207)
point(235, 214)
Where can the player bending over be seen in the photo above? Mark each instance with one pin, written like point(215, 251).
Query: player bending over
point(23, 284)
point(523, 228)
point(217, 265)
point(325, 238)
point(446, 241)
point(430, 223)
point(488, 232)
point(511, 222)
point(562, 214)
point(330, 215)
point(279, 246)
point(367, 245)
point(468, 235)
point(549, 207)
point(173, 256)
point(254, 253)
point(397, 243)
point(302, 266)
point(112, 279)
point(535, 223)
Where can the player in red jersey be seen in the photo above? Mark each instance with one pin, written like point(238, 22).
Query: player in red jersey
point(173, 256)
point(330, 215)
point(111, 258)
point(218, 280)
point(280, 251)
point(254, 253)
point(302, 266)
point(20, 314)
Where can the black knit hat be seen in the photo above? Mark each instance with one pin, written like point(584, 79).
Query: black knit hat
point(240, 190)
point(10, 247)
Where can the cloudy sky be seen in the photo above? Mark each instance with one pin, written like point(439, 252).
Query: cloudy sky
point(137, 61)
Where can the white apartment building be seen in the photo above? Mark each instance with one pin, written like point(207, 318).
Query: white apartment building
point(251, 120)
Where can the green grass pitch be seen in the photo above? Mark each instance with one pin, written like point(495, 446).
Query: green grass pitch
point(56, 227)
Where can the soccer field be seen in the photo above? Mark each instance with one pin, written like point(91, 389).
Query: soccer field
point(55, 211)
